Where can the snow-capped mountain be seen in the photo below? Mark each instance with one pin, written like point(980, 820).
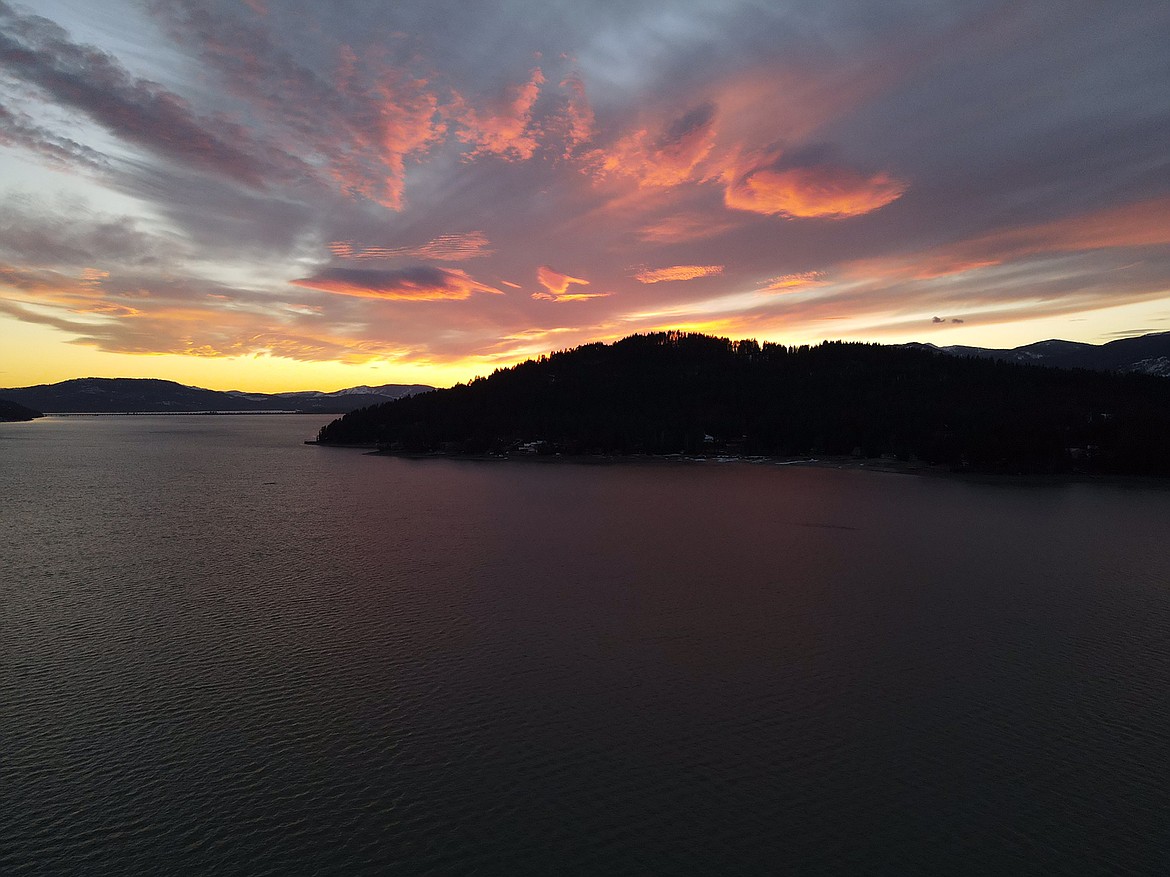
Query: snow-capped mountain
point(1144, 354)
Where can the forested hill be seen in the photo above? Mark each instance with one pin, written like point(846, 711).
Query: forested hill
point(12, 412)
point(676, 392)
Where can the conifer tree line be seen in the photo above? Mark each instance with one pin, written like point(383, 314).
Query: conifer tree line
point(679, 392)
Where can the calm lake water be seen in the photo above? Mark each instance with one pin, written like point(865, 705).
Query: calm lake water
point(225, 652)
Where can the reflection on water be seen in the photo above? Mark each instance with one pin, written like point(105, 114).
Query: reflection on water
point(228, 652)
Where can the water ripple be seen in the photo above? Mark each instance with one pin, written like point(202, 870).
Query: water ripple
point(224, 652)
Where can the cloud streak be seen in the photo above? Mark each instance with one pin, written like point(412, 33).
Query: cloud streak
point(137, 110)
point(677, 272)
point(444, 248)
point(422, 283)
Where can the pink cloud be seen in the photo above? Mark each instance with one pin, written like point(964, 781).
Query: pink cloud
point(683, 227)
point(793, 282)
point(506, 130)
point(556, 282)
point(423, 283)
point(399, 117)
point(557, 286)
point(577, 119)
point(677, 272)
point(1143, 224)
point(765, 184)
point(358, 128)
point(663, 159)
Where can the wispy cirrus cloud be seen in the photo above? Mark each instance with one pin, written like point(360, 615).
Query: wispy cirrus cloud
point(141, 112)
point(444, 248)
point(680, 228)
point(793, 282)
point(1142, 224)
point(677, 272)
point(39, 237)
point(358, 123)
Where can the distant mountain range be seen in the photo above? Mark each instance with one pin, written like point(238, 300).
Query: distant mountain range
point(148, 395)
point(1145, 354)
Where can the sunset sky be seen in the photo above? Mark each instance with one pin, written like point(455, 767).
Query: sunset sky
point(285, 194)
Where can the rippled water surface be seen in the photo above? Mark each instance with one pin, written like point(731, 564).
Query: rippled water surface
point(226, 652)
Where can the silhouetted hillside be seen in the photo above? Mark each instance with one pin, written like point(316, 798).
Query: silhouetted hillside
point(149, 395)
point(11, 412)
point(675, 392)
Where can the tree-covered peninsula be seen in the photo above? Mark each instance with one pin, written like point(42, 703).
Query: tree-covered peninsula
point(676, 392)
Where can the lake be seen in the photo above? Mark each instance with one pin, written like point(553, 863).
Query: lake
point(225, 652)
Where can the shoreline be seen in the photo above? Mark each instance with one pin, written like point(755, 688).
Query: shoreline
point(877, 465)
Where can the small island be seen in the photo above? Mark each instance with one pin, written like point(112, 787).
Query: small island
point(11, 412)
point(672, 393)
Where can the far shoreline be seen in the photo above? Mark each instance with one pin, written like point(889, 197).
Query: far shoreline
point(187, 413)
point(845, 463)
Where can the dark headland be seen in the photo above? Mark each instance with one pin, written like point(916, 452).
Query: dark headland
point(684, 393)
point(12, 412)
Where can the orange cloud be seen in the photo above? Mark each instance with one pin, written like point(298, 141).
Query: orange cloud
point(506, 130)
point(797, 99)
point(577, 119)
point(666, 159)
point(1146, 223)
point(570, 296)
point(767, 185)
point(556, 282)
point(423, 283)
point(677, 272)
point(793, 282)
point(558, 285)
point(370, 159)
point(82, 294)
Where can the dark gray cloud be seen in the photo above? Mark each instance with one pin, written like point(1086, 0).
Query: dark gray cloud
point(18, 129)
point(39, 52)
point(41, 237)
point(415, 283)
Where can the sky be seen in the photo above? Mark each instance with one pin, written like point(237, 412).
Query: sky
point(287, 194)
